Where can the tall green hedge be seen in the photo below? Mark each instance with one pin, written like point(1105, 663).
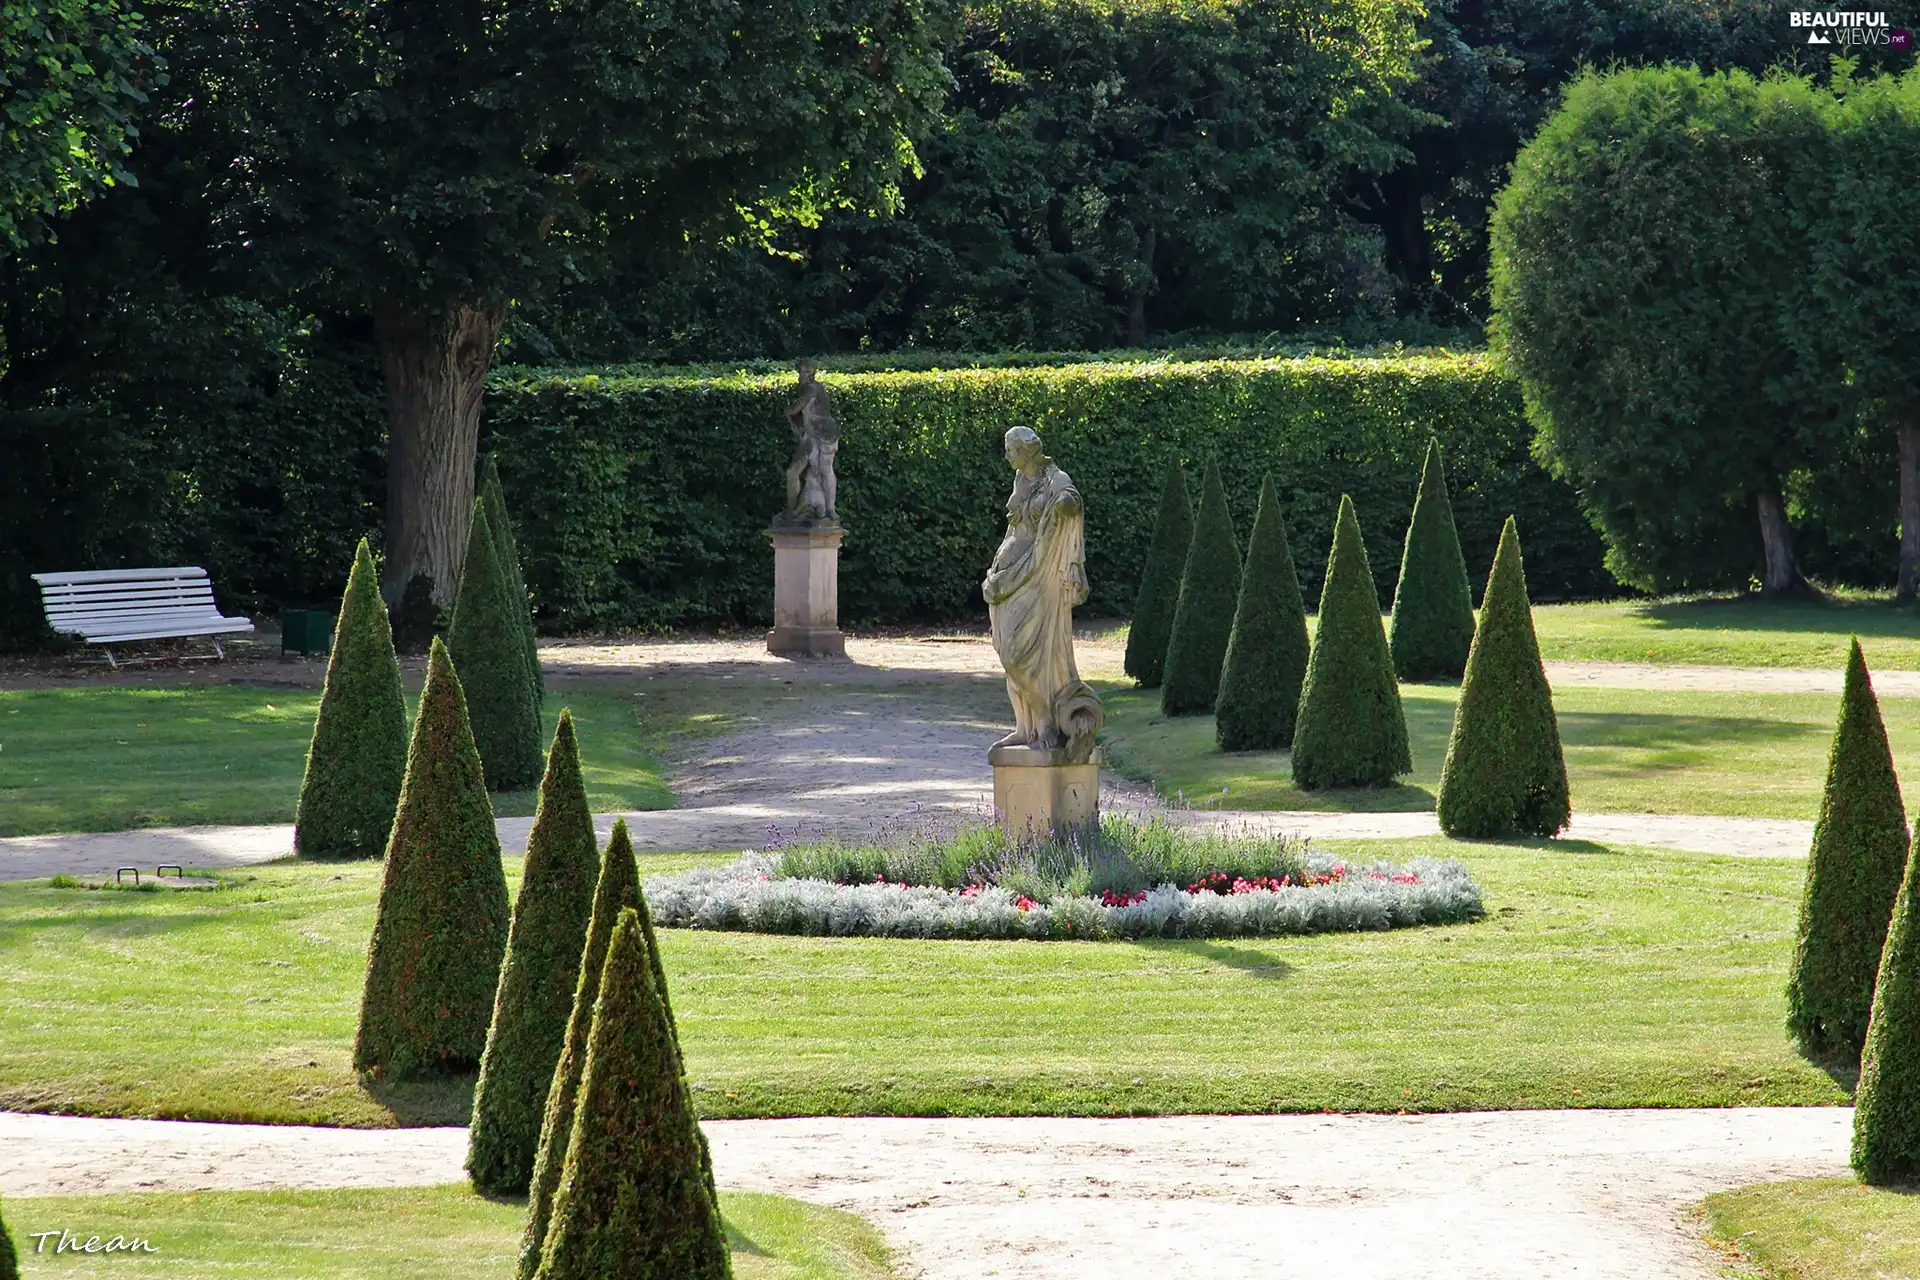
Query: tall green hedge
point(488, 641)
point(1886, 1106)
point(9, 1261)
point(507, 550)
point(641, 496)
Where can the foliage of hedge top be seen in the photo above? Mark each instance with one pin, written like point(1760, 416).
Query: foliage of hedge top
point(1853, 874)
point(1159, 596)
point(642, 498)
point(359, 752)
point(506, 549)
point(9, 1262)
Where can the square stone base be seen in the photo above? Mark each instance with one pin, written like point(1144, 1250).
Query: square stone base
point(806, 591)
point(807, 642)
point(1040, 795)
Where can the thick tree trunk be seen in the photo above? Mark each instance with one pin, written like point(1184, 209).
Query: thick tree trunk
point(1781, 573)
point(1907, 426)
point(435, 364)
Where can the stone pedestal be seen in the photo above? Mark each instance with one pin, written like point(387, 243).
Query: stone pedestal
point(1039, 793)
point(806, 591)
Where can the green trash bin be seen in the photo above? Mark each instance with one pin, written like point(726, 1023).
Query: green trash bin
point(307, 631)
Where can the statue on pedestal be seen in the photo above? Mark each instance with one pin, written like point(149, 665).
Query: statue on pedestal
point(812, 490)
point(1038, 576)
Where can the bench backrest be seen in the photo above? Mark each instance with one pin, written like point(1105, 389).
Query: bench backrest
point(119, 599)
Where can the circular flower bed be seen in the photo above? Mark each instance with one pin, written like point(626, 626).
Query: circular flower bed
point(1131, 880)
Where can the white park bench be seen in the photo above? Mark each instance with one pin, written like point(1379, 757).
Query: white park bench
point(115, 606)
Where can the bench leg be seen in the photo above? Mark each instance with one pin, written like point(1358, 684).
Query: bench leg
point(110, 661)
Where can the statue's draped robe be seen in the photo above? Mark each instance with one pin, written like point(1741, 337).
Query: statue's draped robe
point(1038, 576)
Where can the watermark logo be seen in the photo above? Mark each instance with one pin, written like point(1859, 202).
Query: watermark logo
point(67, 1242)
point(1847, 27)
point(1900, 39)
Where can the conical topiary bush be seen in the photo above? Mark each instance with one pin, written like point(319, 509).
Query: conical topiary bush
point(1153, 610)
point(617, 889)
point(537, 981)
point(1433, 602)
point(488, 642)
point(635, 1200)
point(1853, 875)
point(441, 926)
point(1203, 620)
point(507, 549)
point(1504, 775)
point(1352, 731)
point(1267, 654)
point(359, 751)
point(1886, 1106)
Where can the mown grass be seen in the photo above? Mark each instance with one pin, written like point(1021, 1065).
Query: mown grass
point(1819, 1229)
point(113, 759)
point(394, 1234)
point(1602, 977)
point(1734, 631)
point(1759, 755)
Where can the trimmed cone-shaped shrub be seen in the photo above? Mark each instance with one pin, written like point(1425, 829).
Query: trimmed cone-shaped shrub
point(635, 1200)
point(1153, 611)
point(441, 927)
point(1352, 731)
point(1886, 1106)
point(359, 751)
point(1203, 620)
point(1853, 875)
point(617, 890)
point(488, 642)
point(1267, 654)
point(537, 981)
point(9, 1261)
point(1504, 775)
point(507, 548)
point(1433, 602)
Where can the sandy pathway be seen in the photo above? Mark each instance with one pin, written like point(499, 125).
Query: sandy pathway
point(1487, 1196)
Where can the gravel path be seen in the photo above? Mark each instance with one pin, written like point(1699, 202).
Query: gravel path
point(1598, 1195)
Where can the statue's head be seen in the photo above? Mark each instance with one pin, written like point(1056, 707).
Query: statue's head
point(805, 369)
point(1023, 448)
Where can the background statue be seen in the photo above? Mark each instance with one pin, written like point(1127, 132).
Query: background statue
point(812, 490)
point(1037, 577)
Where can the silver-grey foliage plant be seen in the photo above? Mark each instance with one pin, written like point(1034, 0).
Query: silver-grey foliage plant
point(748, 895)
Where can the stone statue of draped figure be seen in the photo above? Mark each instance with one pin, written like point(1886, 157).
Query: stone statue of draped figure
point(1038, 576)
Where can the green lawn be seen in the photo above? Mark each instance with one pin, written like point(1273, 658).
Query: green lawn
point(1602, 977)
point(1760, 755)
point(1824, 1229)
point(394, 1234)
point(110, 759)
point(1741, 632)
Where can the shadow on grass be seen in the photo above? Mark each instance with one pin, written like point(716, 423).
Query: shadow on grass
point(417, 1104)
point(1624, 731)
point(1258, 963)
point(1863, 617)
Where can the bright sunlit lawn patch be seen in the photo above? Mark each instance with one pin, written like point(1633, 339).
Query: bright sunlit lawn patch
point(1820, 1229)
point(1601, 977)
